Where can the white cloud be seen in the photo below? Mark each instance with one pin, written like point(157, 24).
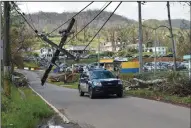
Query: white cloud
point(151, 10)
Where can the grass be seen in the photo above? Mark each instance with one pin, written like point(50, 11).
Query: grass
point(55, 39)
point(30, 64)
point(23, 111)
point(71, 85)
point(144, 53)
point(145, 93)
point(78, 42)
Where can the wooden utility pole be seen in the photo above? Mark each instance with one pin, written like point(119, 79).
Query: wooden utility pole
point(140, 37)
point(76, 29)
point(1, 58)
point(190, 45)
point(6, 49)
point(65, 34)
point(172, 36)
point(85, 29)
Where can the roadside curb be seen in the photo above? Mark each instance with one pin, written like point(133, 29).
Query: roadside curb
point(64, 118)
point(29, 68)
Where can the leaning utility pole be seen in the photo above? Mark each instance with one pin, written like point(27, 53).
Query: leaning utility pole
point(172, 36)
point(65, 34)
point(98, 58)
point(140, 38)
point(6, 49)
point(1, 58)
point(76, 29)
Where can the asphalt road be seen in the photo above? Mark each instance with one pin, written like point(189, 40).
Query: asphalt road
point(128, 112)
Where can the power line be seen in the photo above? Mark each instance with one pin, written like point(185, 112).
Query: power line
point(103, 8)
point(70, 18)
point(22, 15)
point(30, 17)
point(102, 25)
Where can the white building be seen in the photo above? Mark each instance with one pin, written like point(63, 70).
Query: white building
point(159, 50)
point(107, 46)
point(77, 48)
point(135, 46)
point(46, 53)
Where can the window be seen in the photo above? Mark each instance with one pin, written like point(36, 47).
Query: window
point(102, 75)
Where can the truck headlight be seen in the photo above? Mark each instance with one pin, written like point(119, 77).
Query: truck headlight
point(120, 82)
point(97, 84)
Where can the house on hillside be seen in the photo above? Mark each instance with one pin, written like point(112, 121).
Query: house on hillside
point(135, 46)
point(47, 53)
point(159, 50)
point(109, 46)
point(77, 49)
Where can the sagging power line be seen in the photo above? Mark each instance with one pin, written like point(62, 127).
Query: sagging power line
point(70, 18)
point(90, 21)
point(30, 17)
point(22, 15)
point(102, 26)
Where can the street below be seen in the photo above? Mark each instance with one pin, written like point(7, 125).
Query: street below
point(127, 112)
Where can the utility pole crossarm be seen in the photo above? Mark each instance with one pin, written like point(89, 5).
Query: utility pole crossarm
point(63, 40)
point(56, 46)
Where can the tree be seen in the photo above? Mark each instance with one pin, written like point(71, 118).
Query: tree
point(21, 40)
point(183, 42)
point(22, 37)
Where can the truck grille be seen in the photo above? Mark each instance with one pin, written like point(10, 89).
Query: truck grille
point(109, 83)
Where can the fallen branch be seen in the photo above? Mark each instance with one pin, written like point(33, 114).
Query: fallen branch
point(150, 81)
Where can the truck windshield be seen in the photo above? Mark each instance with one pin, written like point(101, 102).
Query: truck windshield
point(102, 75)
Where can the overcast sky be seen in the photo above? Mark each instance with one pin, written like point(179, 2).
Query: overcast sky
point(151, 10)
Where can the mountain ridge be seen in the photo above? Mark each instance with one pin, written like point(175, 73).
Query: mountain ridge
point(47, 21)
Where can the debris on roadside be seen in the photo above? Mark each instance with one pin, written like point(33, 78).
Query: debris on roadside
point(56, 122)
point(64, 77)
point(19, 80)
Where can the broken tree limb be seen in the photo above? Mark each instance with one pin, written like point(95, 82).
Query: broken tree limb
point(149, 81)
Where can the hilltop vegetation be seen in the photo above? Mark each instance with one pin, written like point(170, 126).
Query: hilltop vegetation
point(118, 28)
point(49, 20)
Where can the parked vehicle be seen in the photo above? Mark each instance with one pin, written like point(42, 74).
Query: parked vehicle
point(99, 82)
